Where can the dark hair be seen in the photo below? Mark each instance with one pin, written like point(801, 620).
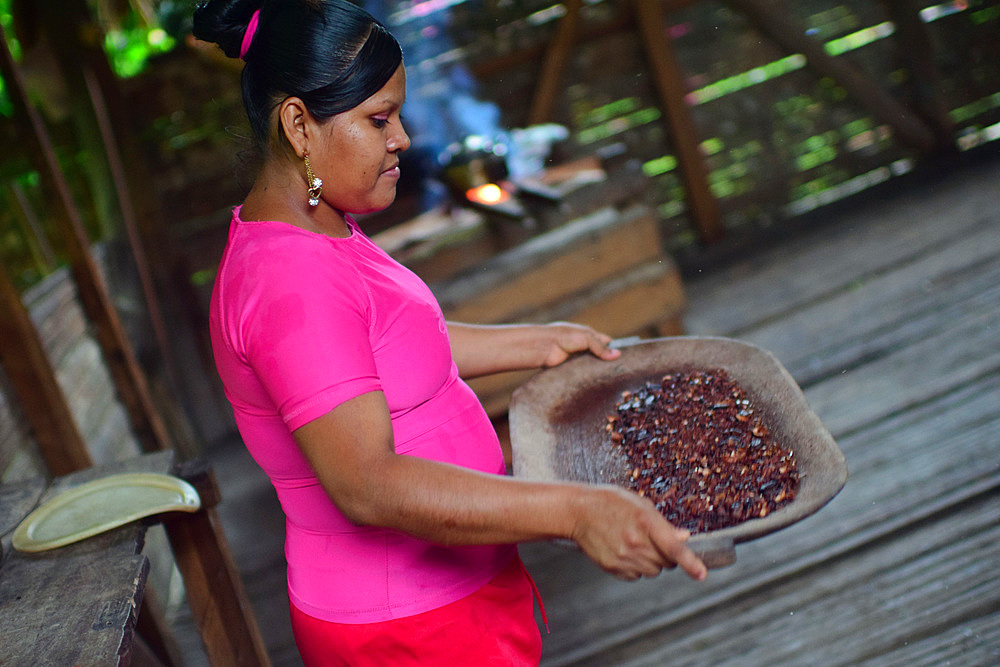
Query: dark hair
point(330, 53)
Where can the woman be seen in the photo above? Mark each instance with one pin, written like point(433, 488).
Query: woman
point(345, 378)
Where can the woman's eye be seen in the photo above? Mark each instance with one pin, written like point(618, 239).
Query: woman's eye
point(380, 122)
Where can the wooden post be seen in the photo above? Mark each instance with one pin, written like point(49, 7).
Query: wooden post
point(905, 124)
point(683, 134)
point(556, 57)
point(917, 51)
point(75, 41)
point(215, 591)
point(39, 247)
point(38, 392)
point(124, 368)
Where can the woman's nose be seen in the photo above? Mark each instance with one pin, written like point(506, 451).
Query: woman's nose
point(399, 140)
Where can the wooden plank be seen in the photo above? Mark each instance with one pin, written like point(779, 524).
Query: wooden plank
point(624, 305)
point(870, 238)
point(684, 136)
point(215, 594)
point(552, 266)
point(56, 312)
point(99, 618)
point(887, 311)
point(554, 63)
point(851, 609)
point(898, 478)
point(972, 642)
point(76, 605)
point(441, 259)
point(911, 375)
point(916, 48)
point(19, 498)
point(215, 591)
point(34, 380)
point(20, 457)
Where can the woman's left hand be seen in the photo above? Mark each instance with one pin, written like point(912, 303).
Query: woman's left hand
point(565, 339)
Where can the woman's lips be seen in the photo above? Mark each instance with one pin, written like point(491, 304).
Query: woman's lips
point(392, 172)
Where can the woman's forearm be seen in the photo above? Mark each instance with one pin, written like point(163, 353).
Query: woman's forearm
point(484, 349)
point(451, 505)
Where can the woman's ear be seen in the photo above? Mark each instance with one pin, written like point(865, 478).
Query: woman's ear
point(294, 119)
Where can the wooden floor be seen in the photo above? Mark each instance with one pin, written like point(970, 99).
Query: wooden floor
point(888, 316)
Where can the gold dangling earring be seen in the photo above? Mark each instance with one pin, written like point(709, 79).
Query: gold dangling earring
point(313, 183)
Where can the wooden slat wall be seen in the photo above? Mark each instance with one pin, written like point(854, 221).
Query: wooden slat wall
point(83, 380)
point(19, 458)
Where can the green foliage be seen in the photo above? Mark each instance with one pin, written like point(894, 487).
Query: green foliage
point(130, 47)
point(7, 23)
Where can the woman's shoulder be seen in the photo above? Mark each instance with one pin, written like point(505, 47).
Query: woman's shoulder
point(274, 239)
point(269, 257)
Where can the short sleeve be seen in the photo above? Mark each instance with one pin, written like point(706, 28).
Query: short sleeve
point(302, 325)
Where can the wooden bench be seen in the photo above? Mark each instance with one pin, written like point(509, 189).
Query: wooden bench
point(79, 604)
point(60, 414)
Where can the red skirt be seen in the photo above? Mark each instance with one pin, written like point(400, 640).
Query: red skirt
point(493, 626)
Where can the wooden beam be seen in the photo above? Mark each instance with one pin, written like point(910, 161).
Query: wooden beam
point(38, 245)
point(669, 82)
point(556, 57)
point(623, 20)
point(215, 592)
point(906, 125)
point(130, 221)
point(122, 364)
point(917, 51)
point(38, 392)
point(76, 41)
point(587, 32)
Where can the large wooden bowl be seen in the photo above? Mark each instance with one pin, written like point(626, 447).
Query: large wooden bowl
point(557, 424)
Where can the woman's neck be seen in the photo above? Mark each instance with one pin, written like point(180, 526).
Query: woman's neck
point(279, 193)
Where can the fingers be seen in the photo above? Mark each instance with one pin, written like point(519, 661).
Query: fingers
point(670, 545)
point(599, 347)
point(606, 353)
point(579, 338)
point(673, 546)
point(630, 539)
point(637, 564)
point(692, 565)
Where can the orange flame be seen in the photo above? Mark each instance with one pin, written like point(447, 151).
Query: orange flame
point(488, 194)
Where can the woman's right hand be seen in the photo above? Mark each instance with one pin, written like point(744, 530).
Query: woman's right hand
point(626, 536)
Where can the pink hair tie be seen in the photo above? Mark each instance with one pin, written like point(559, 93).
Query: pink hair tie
point(248, 35)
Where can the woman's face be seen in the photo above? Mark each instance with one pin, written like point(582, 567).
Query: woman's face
point(357, 156)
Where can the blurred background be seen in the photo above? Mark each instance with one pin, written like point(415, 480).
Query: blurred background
point(735, 121)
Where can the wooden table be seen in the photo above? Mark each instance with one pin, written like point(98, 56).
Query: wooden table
point(80, 604)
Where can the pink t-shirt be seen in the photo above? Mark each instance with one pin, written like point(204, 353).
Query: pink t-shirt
point(301, 322)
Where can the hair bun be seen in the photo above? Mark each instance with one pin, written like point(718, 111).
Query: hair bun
point(224, 22)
